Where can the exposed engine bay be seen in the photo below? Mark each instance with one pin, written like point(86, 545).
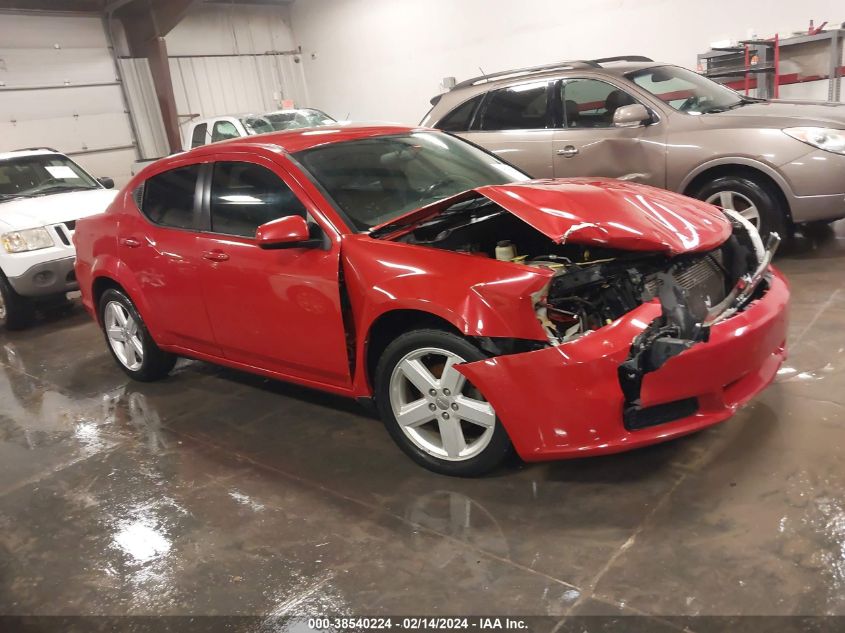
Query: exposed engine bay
point(593, 286)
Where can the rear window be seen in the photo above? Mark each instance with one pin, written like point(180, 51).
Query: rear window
point(223, 130)
point(459, 119)
point(169, 197)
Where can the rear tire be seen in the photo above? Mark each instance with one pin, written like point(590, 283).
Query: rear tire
point(751, 197)
point(447, 425)
point(129, 341)
point(16, 312)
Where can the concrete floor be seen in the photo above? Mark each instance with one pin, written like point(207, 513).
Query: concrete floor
point(216, 492)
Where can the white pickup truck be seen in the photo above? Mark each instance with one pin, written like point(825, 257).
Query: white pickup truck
point(221, 128)
point(42, 195)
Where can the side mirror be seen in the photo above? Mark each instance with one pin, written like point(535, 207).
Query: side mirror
point(632, 115)
point(290, 231)
point(108, 183)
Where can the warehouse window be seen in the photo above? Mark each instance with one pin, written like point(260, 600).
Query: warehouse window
point(198, 137)
point(169, 197)
point(224, 130)
point(517, 108)
point(244, 196)
point(459, 119)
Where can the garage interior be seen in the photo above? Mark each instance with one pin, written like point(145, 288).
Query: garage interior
point(220, 493)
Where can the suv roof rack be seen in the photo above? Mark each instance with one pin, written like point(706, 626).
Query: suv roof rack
point(522, 71)
point(577, 63)
point(620, 58)
point(32, 149)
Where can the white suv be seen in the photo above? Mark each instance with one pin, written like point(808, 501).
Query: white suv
point(42, 195)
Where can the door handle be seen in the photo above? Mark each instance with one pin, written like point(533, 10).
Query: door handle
point(129, 242)
point(215, 256)
point(569, 151)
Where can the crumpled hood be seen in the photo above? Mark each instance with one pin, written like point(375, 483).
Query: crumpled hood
point(613, 213)
point(26, 213)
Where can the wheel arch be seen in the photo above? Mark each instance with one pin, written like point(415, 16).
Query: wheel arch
point(393, 323)
point(738, 167)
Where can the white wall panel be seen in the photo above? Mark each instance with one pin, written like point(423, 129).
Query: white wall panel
point(144, 107)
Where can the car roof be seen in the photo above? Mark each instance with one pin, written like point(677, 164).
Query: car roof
point(302, 138)
point(34, 151)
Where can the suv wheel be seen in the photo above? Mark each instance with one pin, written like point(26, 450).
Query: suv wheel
point(752, 199)
point(129, 341)
point(16, 312)
point(431, 411)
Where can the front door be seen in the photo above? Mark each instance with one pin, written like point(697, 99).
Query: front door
point(278, 310)
point(515, 123)
point(158, 245)
point(587, 143)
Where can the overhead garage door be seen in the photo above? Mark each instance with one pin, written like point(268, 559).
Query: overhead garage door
point(58, 88)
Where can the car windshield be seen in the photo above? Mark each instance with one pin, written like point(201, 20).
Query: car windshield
point(286, 120)
point(375, 180)
point(41, 174)
point(685, 90)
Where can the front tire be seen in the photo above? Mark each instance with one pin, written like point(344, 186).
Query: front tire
point(752, 198)
point(129, 341)
point(437, 417)
point(16, 312)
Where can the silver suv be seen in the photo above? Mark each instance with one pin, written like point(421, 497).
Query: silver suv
point(778, 163)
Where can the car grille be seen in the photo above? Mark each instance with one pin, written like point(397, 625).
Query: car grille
point(703, 282)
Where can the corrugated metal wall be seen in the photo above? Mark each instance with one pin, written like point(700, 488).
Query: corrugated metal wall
point(211, 86)
point(58, 89)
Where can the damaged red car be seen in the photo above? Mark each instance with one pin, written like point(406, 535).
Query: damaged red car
point(480, 311)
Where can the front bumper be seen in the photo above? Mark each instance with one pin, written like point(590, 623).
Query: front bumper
point(46, 278)
point(566, 401)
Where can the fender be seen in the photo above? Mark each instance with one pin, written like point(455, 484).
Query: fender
point(478, 296)
point(765, 168)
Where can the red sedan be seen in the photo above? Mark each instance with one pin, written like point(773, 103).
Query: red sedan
point(481, 312)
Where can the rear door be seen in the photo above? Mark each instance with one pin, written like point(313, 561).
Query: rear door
point(586, 143)
point(158, 245)
point(278, 310)
point(516, 124)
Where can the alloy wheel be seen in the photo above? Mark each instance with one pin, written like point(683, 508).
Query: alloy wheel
point(124, 336)
point(440, 411)
point(737, 202)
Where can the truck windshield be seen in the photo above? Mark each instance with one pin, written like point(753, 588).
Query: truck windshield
point(41, 174)
point(375, 180)
point(686, 91)
point(286, 120)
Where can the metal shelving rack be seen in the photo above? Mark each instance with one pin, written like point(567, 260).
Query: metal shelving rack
point(757, 64)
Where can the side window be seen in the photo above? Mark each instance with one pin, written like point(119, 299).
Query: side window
point(591, 103)
point(458, 120)
point(244, 196)
point(517, 108)
point(223, 130)
point(198, 136)
point(169, 197)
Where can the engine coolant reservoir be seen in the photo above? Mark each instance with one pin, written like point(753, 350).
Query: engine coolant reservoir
point(505, 251)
